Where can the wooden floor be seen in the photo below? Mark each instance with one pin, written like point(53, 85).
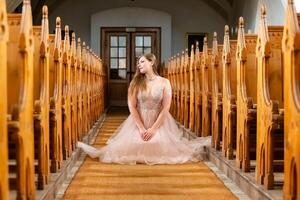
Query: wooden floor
point(95, 180)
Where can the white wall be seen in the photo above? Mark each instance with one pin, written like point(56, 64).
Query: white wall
point(250, 10)
point(133, 17)
point(296, 2)
point(275, 12)
point(186, 16)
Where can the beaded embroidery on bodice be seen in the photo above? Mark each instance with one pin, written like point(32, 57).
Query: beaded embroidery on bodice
point(151, 99)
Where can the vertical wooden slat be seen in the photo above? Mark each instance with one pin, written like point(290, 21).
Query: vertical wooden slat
point(4, 187)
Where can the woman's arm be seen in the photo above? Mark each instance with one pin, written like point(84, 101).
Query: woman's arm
point(132, 101)
point(166, 103)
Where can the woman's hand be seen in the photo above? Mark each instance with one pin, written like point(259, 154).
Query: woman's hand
point(142, 132)
point(149, 134)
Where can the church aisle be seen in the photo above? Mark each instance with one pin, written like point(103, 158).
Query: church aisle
point(96, 180)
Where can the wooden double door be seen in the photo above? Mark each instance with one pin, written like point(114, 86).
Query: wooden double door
point(121, 47)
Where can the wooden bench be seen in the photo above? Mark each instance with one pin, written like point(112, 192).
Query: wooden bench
point(66, 97)
point(198, 97)
point(74, 93)
point(56, 99)
point(182, 87)
point(186, 86)
point(246, 98)
point(171, 77)
point(84, 89)
point(206, 90)
point(179, 87)
point(79, 90)
point(192, 70)
point(4, 34)
point(291, 48)
point(216, 97)
point(20, 98)
point(41, 99)
point(269, 102)
point(229, 96)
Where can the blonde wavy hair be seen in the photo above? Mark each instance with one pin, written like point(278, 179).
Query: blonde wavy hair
point(138, 83)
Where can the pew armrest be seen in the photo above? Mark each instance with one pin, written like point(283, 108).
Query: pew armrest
point(37, 106)
point(13, 125)
point(277, 121)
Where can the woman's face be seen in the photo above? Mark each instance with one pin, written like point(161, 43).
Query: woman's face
point(144, 65)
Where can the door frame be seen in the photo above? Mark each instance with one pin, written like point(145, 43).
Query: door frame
point(103, 45)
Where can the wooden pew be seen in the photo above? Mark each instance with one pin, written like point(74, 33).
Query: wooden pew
point(198, 97)
point(228, 97)
point(86, 92)
point(90, 87)
point(97, 88)
point(74, 94)
point(192, 90)
point(269, 102)
point(20, 102)
point(103, 83)
point(3, 105)
point(186, 89)
point(41, 99)
point(103, 86)
point(179, 86)
point(246, 98)
point(56, 98)
point(84, 89)
point(66, 97)
point(291, 48)
point(206, 93)
point(182, 87)
point(94, 85)
point(170, 68)
point(171, 75)
point(79, 90)
point(216, 102)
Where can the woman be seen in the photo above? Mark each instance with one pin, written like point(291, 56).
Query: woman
point(150, 134)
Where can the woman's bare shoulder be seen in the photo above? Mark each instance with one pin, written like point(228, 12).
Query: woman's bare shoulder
point(163, 79)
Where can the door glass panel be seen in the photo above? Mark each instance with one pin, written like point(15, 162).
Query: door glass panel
point(122, 74)
point(113, 52)
point(122, 63)
point(147, 41)
point(114, 63)
point(147, 50)
point(122, 52)
point(113, 41)
point(118, 57)
point(122, 41)
point(139, 41)
point(138, 52)
point(143, 45)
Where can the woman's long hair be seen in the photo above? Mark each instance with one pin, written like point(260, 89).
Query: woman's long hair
point(138, 82)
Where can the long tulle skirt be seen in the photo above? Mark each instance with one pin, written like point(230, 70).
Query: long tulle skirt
point(167, 146)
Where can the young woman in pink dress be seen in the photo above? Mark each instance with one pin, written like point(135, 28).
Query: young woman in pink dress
point(150, 134)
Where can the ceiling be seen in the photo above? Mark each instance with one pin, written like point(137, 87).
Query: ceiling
point(222, 7)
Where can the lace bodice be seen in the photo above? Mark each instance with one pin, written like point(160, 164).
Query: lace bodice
point(151, 102)
point(151, 99)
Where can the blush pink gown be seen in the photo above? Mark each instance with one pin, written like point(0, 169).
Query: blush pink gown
point(167, 146)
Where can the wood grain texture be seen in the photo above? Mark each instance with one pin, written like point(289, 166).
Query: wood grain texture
point(96, 180)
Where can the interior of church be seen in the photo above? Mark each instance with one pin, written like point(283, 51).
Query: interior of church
point(234, 71)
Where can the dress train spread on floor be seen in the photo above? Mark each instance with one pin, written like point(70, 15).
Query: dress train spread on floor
point(167, 146)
